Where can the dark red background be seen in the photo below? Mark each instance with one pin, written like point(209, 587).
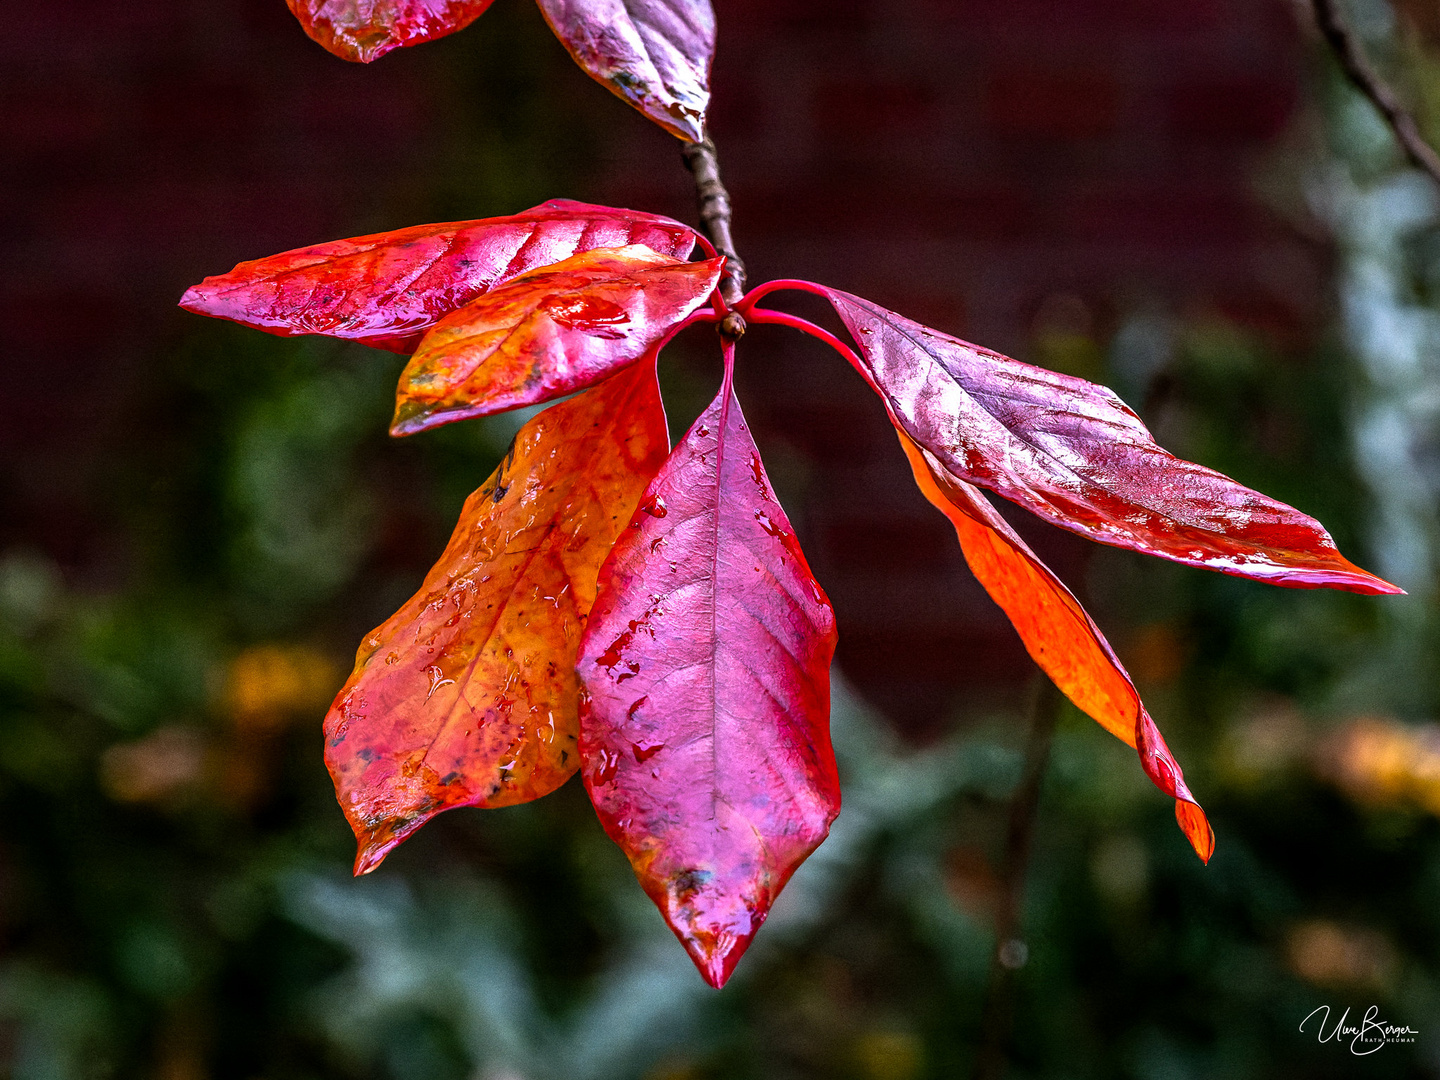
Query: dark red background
point(975, 164)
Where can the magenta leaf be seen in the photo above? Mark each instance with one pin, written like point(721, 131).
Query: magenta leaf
point(704, 722)
point(655, 54)
point(1075, 454)
point(365, 30)
point(388, 289)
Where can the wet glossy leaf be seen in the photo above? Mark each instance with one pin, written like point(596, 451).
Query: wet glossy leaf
point(1058, 634)
point(364, 30)
point(388, 289)
point(548, 333)
point(467, 695)
point(655, 54)
point(1075, 454)
point(704, 730)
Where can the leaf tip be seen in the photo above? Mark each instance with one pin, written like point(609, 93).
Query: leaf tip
point(1196, 827)
point(1375, 585)
point(372, 852)
point(411, 418)
point(377, 836)
point(691, 130)
point(715, 955)
point(195, 299)
point(714, 918)
point(1349, 577)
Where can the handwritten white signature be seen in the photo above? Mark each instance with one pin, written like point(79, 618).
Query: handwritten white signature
point(1369, 1035)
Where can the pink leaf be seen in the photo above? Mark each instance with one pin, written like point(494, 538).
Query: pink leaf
point(364, 30)
point(1075, 454)
point(655, 54)
point(704, 726)
point(388, 289)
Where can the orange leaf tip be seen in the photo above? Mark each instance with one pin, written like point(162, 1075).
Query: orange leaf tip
point(1196, 827)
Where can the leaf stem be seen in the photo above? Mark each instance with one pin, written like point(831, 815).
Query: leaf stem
point(1350, 52)
point(705, 243)
point(1011, 953)
point(779, 318)
point(701, 316)
point(750, 299)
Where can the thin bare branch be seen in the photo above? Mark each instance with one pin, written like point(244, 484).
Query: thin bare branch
point(1011, 952)
point(1350, 52)
point(714, 201)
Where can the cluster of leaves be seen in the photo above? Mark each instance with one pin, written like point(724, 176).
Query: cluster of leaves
point(645, 615)
point(655, 54)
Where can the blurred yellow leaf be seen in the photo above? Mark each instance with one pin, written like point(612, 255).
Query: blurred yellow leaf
point(1384, 762)
point(883, 1054)
point(270, 684)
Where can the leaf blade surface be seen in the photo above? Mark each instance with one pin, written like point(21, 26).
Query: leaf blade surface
point(705, 719)
point(654, 54)
point(365, 30)
point(1073, 453)
point(1057, 632)
point(467, 696)
point(388, 289)
point(549, 332)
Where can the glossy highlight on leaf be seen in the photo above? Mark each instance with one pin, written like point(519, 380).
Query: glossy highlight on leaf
point(1058, 634)
point(365, 30)
point(388, 289)
point(548, 333)
point(1075, 454)
point(467, 695)
point(655, 54)
point(704, 726)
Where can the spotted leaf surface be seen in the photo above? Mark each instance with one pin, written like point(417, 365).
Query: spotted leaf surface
point(388, 289)
point(549, 332)
point(364, 30)
point(655, 54)
point(1075, 454)
point(1060, 637)
point(467, 695)
point(704, 730)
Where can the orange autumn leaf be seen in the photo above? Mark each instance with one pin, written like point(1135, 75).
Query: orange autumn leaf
point(1059, 636)
point(549, 332)
point(467, 696)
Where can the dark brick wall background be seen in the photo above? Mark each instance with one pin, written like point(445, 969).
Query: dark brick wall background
point(988, 166)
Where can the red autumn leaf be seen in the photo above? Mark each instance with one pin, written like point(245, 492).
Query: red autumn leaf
point(467, 695)
point(704, 722)
point(365, 30)
point(1075, 454)
point(549, 332)
point(1058, 634)
point(387, 289)
point(655, 54)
